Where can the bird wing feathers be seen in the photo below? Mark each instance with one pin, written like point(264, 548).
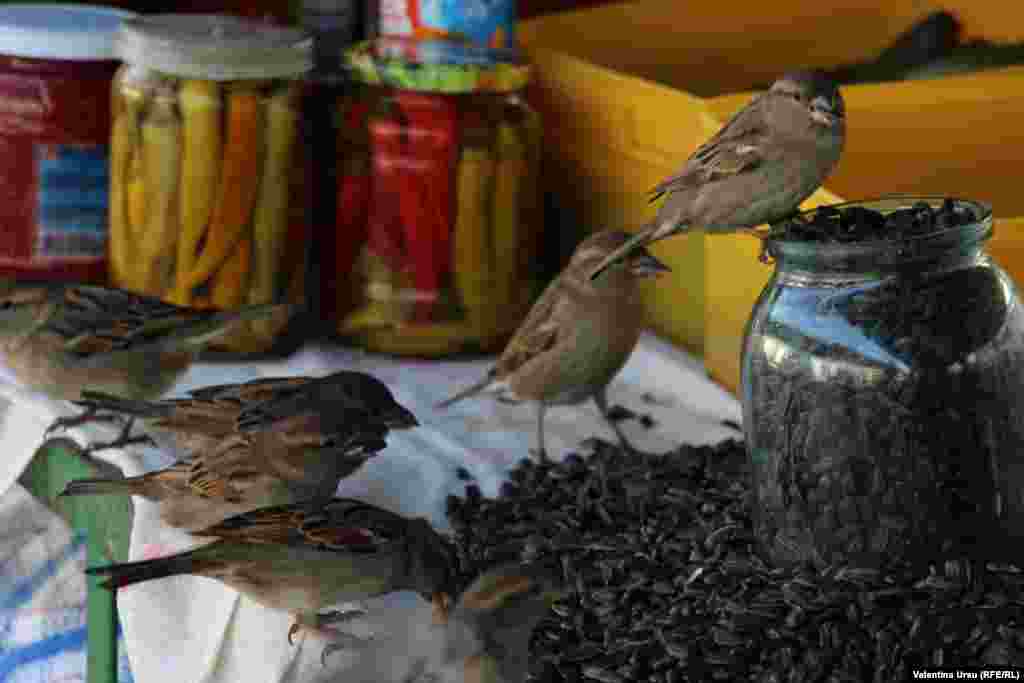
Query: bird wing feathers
point(538, 333)
point(96, 321)
point(342, 525)
point(732, 150)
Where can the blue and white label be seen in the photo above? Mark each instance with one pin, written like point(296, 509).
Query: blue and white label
point(71, 212)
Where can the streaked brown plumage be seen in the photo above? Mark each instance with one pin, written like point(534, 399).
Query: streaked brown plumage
point(257, 444)
point(303, 558)
point(771, 156)
point(577, 336)
point(63, 338)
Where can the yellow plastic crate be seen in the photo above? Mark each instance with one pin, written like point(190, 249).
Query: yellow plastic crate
point(626, 101)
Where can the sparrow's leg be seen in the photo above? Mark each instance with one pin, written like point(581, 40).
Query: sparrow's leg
point(318, 623)
point(337, 640)
point(542, 453)
point(601, 399)
point(123, 439)
point(341, 641)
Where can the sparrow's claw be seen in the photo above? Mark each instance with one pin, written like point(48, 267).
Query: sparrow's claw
point(341, 641)
point(319, 623)
point(123, 439)
point(296, 627)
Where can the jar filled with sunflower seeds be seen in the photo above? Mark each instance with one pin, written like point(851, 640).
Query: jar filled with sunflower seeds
point(883, 388)
point(206, 181)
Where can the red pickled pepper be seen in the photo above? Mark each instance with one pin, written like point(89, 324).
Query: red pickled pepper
point(384, 230)
point(426, 203)
point(351, 210)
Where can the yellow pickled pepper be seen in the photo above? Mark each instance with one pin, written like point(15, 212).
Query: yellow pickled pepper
point(161, 166)
point(473, 267)
point(531, 220)
point(202, 141)
point(241, 163)
point(133, 88)
point(271, 214)
point(507, 216)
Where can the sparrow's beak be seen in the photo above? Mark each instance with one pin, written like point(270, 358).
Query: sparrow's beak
point(638, 240)
point(825, 111)
point(440, 607)
point(400, 418)
point(643, 264)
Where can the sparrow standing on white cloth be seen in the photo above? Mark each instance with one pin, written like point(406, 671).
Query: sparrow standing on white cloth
point(577, 336)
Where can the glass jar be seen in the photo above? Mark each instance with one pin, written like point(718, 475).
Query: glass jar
point(56, 66)
point(206, 165)
point(438, 215)
point(883, 399)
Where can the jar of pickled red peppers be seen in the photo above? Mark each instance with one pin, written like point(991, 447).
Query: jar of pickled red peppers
point(206, 166)
point(438, 201)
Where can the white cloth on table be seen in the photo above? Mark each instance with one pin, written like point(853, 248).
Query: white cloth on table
point(205, 632)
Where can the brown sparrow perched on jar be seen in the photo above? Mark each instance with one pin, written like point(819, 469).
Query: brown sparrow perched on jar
point(577, 336)
point(304, 558)
point(771, 156)
point(252, 445)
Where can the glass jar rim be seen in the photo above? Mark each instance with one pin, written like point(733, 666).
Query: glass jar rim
point(877, 254)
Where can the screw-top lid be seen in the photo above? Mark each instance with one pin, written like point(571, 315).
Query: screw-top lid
point(442, 66)
point(214, 46)
point(40, 31)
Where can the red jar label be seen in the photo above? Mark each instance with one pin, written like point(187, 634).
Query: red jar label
point(54, 167)
point(71, 202)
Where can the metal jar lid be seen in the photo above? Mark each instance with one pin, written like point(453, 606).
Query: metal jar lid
point(441, 66)
point(214, 46)
point(71, 32)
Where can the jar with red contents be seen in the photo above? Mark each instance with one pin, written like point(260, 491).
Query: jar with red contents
point(438, 214)
point(56, 66)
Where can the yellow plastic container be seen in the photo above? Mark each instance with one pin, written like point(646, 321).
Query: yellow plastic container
point(631, 100)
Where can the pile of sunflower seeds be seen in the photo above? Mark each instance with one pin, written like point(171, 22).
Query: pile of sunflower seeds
point(668, 586)
point(860, 224)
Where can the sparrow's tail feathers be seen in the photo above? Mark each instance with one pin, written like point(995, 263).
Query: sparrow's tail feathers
point(183, 333)
point(476, 388)
point(131, 486)
point(123, 574)
point(200, 332)
point(100, 401)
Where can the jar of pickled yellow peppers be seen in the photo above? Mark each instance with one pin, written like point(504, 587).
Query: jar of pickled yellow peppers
point(438, 215)
point(206, 168)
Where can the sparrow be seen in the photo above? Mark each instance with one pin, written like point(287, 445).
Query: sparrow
point(771, 156)
point(486, 637)
point(252, 445)
point(60, 338)
point(577, 336)
point(304, 558)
